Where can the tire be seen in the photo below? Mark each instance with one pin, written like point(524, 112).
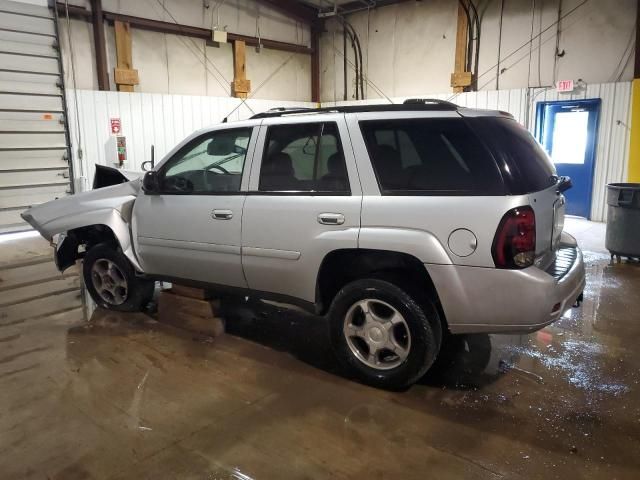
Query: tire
point(415, 336)
point(123, 291)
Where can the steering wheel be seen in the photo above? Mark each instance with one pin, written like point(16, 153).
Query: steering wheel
point(219, 167)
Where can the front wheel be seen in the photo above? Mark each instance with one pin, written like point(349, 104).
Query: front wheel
point(112, 281)
point(381, 335)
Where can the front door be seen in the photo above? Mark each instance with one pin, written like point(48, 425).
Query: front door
point(192, 228)
point(568, 131)
point(303, 202)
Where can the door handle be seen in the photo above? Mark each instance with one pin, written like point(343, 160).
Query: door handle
point(331, 218)
point(222, 214)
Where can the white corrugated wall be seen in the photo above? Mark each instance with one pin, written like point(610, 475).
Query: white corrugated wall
point(612, 150)
point(146, 119)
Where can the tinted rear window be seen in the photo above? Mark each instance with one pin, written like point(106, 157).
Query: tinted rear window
point(430, 156)
point(525, 165)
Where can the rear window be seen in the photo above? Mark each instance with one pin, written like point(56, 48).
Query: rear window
point(430, 156)
point(525, 165)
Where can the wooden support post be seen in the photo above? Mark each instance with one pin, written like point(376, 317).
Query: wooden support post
point(460, 78)
point(97, 20)
point(241, 86)
point(124, 75)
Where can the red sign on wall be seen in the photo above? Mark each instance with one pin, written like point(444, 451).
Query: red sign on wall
point(565, 86)
point(116, 126)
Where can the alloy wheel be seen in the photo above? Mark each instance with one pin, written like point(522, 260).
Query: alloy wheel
point(377, 334)
point(109, 281)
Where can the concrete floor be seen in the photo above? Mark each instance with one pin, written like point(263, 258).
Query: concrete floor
point(122, 396)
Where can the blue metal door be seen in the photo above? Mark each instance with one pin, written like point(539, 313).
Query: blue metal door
point(568, 130)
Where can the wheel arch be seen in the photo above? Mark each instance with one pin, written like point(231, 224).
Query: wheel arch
point(342, 266)
point(101, 226)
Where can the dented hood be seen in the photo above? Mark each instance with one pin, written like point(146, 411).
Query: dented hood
point(87, 208)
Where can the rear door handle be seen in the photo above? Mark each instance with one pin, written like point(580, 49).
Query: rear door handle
point(222, 214)
point(331, 218)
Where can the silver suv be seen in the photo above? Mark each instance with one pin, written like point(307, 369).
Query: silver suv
point(400, 223)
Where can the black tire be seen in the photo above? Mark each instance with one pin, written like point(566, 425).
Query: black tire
point(139, 291)
point(421, 319)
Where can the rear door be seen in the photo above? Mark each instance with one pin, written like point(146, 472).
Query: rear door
point(303, 202)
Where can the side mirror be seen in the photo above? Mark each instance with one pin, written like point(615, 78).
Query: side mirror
point(150, 184)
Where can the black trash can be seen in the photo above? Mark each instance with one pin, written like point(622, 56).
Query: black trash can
point(623, 219)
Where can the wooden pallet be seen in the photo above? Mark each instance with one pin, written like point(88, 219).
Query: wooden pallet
point(190, 309)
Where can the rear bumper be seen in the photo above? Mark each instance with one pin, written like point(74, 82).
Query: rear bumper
point(488, 300)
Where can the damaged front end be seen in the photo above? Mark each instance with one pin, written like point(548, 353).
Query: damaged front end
point(102, 215)
point(65, 251)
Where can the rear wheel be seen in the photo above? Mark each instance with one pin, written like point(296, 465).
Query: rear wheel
point(382, 335)
point(112, 281)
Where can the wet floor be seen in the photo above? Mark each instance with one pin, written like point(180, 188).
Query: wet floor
point(122, 396)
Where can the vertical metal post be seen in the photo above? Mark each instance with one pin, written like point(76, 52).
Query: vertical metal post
point(636, 70)
point(100, 44)
point(344, 63)
point(315, 65)
point(63, 89)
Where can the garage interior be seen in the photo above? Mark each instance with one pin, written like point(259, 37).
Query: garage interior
point(88, 393)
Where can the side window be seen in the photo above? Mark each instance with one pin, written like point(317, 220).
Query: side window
point(430, 155)
point(305, 157)
point(400, 141)
point(211, 163)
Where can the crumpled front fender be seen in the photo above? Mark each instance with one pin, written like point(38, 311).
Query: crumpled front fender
point(108, 217)
point(110, 206)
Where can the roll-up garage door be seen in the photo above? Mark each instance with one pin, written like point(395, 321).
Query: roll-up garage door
point(34, 153)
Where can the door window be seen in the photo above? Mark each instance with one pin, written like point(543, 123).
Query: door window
point(306, 157)
point(569, 141)
point(212, 163)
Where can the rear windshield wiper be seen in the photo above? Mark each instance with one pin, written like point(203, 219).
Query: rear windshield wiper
point(563, 183)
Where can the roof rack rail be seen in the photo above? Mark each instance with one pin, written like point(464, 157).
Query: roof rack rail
point(430, 101)
point(278, 111)
point(413, 105)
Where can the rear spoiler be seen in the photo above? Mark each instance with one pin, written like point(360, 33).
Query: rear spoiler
point(106, 176)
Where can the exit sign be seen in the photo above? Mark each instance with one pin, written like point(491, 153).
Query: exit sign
point(564, 86)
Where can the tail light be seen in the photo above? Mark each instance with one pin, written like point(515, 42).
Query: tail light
point(514, 245)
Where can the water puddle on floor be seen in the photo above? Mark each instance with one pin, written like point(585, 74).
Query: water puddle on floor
point(107, 393)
